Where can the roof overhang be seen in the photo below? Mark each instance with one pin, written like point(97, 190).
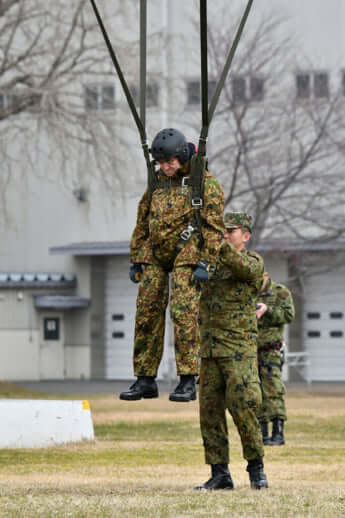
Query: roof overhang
point(37, 280)
point(60, 302)
point(93, 248)
point(123, 247)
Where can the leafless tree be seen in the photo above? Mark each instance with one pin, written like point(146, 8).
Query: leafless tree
point(274, 153)
point(56, 93)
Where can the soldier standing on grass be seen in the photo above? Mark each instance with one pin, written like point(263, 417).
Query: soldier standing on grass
point(170, 237)
point(275, 308)
point(229, 376)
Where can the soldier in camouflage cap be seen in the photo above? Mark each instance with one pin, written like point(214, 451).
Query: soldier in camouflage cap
point(229, 376)
point(234, 220)
point(166, 240)
point(275, 308)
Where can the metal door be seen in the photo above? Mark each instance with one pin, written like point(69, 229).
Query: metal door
point(52, 346)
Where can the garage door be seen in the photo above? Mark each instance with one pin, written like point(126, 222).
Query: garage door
point(324, 326)
point(120, 306)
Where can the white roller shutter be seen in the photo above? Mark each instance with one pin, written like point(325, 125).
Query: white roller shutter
point(324, 326)
point(120, 308)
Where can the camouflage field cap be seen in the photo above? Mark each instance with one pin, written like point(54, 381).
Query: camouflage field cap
point(238, 219)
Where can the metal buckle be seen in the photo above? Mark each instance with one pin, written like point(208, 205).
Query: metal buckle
point(186, 234)
point(183, 184)
point(196, 202)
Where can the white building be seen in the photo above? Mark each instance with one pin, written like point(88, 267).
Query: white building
point(67, 305)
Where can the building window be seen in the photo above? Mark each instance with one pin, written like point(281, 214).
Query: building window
point(51, 329)
point(256, 89)
point(118, 334)
point(99, 97)
point(151, 95)
point(17, 102)
point(238, 88)
point(194, 91)
point(321, 85)
point(314, 84)
point(118, 316)
point(336, 334)
point(313, 315)
point(303, 86)
point(247, 89)
point(212, 85)
point(314, 334)
point(336, 314)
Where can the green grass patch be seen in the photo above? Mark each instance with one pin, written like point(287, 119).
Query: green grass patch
point(147, 468)
point(182, 431)
point(319, 428)
point(60, 459)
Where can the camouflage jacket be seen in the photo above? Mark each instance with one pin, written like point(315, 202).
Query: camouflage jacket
point(228, 324)
point(280, 311)
point(160, 223)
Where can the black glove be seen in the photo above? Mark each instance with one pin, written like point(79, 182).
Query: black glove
point(203, 271)
point(135, 272)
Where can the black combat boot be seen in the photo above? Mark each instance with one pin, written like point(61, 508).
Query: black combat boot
point(145, 387)
point(185, 390)
point(264, 431)
point(277, 438)
point(257, 477)
point(220, 479)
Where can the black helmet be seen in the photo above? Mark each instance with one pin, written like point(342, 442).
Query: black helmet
point(168, 143)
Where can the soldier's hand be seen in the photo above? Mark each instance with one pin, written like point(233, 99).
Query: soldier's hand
point(135, 272)
point(203, 271)
point(261, 308)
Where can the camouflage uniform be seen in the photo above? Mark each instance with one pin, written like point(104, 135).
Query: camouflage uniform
point(154, 243)
point(229, 374)
point(280, 311)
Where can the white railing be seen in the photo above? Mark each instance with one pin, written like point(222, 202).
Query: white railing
point(301, 362)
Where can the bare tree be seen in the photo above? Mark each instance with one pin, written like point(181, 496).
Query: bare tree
point(273, 152)
point(57, 100)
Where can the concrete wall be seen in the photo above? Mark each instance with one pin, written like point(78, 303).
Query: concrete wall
point(20, 355)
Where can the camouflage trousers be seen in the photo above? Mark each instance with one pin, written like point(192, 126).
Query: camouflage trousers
point(228, 384)
point(152, 301)
point(272, 387)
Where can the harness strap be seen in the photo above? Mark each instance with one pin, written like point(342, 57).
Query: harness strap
point(197, 177)
point(207, 117)
point(143, 54)
point(140, 123)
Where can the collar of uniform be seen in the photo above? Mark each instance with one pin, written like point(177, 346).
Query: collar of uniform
point(180, 173)
point(269, 287)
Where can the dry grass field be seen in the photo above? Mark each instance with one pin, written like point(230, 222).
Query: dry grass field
point(147, 457)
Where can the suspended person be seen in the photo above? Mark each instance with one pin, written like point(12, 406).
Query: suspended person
point(275, 309)
point(178, 231)
point(229, 377)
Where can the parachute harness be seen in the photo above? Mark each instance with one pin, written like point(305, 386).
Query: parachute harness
point(198, 164)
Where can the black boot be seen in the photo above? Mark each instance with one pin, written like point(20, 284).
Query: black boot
point(145, 387)
point(277, 438)
point(264, 431)
point(185, 390)
point(220, 479)
point(257, 477)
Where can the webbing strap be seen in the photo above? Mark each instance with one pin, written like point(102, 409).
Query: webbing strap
point(143, 32)
point(139, 123)
point(230, 57)
point(204, 70)
point(123, 82)
point(203, 30)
